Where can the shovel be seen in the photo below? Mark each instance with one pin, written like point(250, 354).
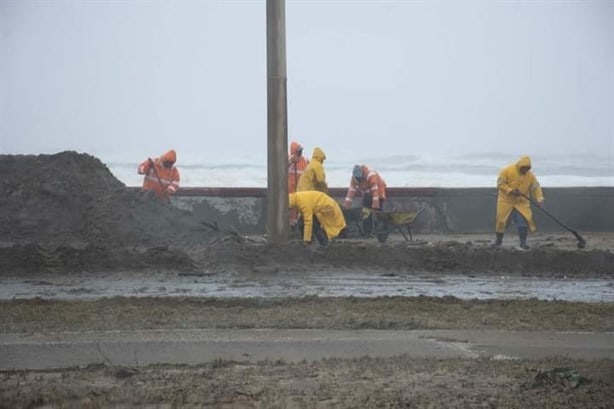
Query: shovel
point(581, 241)
point(153, 167)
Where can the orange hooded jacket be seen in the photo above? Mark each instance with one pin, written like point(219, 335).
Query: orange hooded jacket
point(371, 183)
point(169, 177)
point(296, 166)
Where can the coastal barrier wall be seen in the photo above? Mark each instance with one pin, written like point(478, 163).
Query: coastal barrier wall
point(444, 210)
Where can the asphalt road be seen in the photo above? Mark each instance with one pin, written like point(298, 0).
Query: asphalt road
point(133, 348)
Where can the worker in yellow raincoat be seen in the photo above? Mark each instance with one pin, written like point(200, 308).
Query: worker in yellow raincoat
point(328, 221)
point(515, 182)
point(314, 177)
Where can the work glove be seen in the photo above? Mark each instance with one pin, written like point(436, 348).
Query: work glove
point(515, 193)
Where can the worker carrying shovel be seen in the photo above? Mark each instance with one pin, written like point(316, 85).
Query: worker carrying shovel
point(161, 175)
point(517, 185)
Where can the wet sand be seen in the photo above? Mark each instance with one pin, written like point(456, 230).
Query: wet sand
point(550, 255)
point(325, 283)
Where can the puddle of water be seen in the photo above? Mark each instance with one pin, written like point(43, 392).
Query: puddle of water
point(323, 284)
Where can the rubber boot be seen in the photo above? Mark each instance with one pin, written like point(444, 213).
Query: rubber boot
point(499, 239)
point(522, 234)
point(321, 236)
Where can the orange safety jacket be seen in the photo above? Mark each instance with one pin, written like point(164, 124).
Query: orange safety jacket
point(296, 166)
point(168, 176)
point(372, 183)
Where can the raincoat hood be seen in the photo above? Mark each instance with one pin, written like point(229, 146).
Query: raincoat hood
point(170, 156)
point(524, 162)
point(319, 155)
point(295, 147)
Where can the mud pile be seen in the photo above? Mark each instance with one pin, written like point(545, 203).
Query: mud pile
point(73, 199)
point(398, 257)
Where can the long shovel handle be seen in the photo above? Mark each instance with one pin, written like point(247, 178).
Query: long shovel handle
point(581, 241)
point(153, 167)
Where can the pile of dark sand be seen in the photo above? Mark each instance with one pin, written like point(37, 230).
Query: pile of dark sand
point(73, 199)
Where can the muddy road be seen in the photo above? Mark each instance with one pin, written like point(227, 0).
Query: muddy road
point(89, 286)
point(80, 254)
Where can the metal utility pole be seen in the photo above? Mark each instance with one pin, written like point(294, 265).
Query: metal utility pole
point(277, 123)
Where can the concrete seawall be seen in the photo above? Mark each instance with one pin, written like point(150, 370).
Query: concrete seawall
point(445, 210)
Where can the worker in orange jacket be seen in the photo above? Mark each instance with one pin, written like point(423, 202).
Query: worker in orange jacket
point(161, 175)
point(296, 167)
point(373, 189)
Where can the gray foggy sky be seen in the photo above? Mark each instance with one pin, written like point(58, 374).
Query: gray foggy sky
point(366, 76)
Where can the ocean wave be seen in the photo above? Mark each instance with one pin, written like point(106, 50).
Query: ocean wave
point(465, 170)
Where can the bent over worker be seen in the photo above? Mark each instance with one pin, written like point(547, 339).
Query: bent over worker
point(321, 214)
point(161, 175)
point(314, 177)
point(373, 189)
point(515, 182)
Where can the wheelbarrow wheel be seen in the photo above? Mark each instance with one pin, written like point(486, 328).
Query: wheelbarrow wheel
point(382, 236)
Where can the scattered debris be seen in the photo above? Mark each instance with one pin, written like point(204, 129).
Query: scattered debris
point(565, 377)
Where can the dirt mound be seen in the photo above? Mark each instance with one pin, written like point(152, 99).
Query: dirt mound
point(33, 258)
point(72, 198)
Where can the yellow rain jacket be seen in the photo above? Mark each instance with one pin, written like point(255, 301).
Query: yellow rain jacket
point(325, 208)
point(313, 177)
point(510, 179)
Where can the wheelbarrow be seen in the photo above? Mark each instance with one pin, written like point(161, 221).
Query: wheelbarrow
point(388, 222)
